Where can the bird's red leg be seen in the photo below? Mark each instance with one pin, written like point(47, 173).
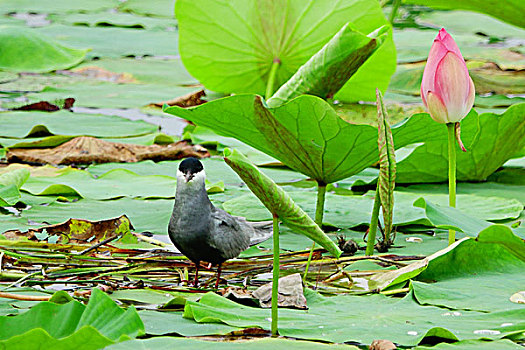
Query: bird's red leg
point(218, 276)
point(196, 281)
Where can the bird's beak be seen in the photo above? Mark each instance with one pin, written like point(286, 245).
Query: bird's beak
point(188, 176)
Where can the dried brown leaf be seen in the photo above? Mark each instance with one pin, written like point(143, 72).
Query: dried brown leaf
point(382, 344)
point(47, 106)
point(78, 231)
point(86, 150)
point(185, 101)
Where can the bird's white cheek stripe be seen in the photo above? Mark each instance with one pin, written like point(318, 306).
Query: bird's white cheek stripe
point(198, 177)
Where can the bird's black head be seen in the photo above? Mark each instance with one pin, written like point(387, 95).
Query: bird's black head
point(189, 167)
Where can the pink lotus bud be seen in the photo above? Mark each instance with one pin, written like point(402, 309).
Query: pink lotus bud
point(447, 90)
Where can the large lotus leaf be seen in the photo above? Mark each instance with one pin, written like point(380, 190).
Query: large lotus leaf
point(511, 11)
point(156, 138)
point(414, 45)
point(55, 6)
point(231, 45)
point(10, 184)
point(116, 19)
point(216, 170)
point(146, 215)
point(277, 201)
point(305, 134)
point(477, 274)
point(114, 41)
point(329, 69)
point(471, 22)
point(71, 325)
point(158, 8)
point(487, 78)
point(164, 323)
point(352, 211)
point(483, 189)
point(347, 318)
point(165, 343)
point(24, 124)
point(110, 95)
point(25, 50)
point(503, 344)
point(146, 70)
point(113, 184)
point(490, 140)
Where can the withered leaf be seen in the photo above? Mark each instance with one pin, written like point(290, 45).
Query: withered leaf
point(86, 150)
point(78, 231)
point(46, 106)
point(185, 101)
point(290, 293)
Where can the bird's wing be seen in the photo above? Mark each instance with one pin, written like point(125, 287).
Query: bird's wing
point(227, 234)
point(261, 230)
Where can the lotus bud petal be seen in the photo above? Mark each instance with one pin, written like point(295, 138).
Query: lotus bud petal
point(446, 89)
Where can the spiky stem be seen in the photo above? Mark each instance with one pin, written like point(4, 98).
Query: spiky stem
point(275, 282)
point(319, 212)
point(271, 78)
point(451, 175)
point(373, 224)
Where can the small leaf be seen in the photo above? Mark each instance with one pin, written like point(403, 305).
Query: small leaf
point(71, 325)
point(329, 69)
point(10, 184)
point(25, 50)
point(277, 201)
point(387, 164)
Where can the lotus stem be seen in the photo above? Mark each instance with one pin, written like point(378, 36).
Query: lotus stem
point(271, 78)
point(319, 213)
point(373, 224)
point(451, 175)
point(395, 7)
point(275, 282)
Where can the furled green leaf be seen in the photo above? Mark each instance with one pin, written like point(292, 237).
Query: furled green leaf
point(329, 69)
point(490, 139)
point(71, 325)
point(346, 318)
point(10, 184)
point(305, 134)
point(510, 11)
point(387, 164)
point(277, 201)
point(230, 46)
point(25, 50)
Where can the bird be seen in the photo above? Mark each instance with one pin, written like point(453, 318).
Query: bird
point(203, 232)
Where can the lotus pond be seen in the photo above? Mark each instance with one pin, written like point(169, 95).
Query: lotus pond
point(305, 112)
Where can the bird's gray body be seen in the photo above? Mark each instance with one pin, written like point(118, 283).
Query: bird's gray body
point(201, 231)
